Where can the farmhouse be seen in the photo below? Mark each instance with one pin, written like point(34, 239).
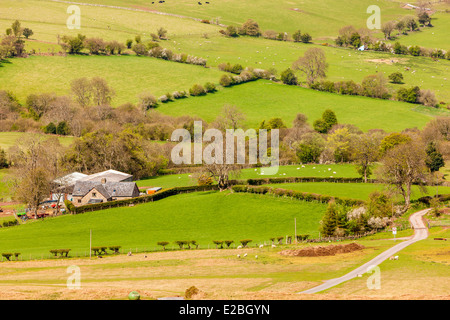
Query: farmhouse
point(89, 192)
point(64, 188)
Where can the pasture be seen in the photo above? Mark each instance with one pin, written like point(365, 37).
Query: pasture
point(201, 216)
point(263, 100)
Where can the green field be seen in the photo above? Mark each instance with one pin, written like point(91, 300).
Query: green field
point(262, 100)
point(9, 139)
point(203, 216)
point(309, 170)
point(351, 190)
point(31, 75)
point(321, 19)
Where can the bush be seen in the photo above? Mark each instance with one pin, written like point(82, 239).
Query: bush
point(228, 243)
point(115, 249)
point(99, 250)
point(226, 80)
point(288, 77)
point(163, 244)
point(245, 242)
point(197, 90)
point(189, 293)
point(61, 252)
point(396, 77)
point(7, 255)
point(306, 38)
point(218, 243)
point(210, 87)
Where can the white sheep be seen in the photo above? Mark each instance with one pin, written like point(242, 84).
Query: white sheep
point(238, 255)
point(245, 255)
point(261, 246)
point(239, 247)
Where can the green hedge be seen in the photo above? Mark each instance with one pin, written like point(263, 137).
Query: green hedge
point(426, 200)
point(306, 196)
point(261, 181)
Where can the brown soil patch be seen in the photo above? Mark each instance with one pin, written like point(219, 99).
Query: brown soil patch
point(319, 251)
point(386, 61)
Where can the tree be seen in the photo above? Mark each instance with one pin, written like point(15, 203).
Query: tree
point(250, 28)
point(231, 31)
point(375, 86)
point(102, 94)
point(16, 29)
point(35, 164)
point(310, 148)
point(27, 32)
point(95, 45)
point(340, 143)
point(402, 166)
point(147, 101)
point(81, 89)
point(410, 95)
point(366, 153)
point(306, 38)
point(162, 33)
point(73, 45)
point(434, 159)
point(313, 64)
point(396, 77)
point(387, 29)
point(230, 118)
point(297, 36)
point(334, 220)
point(288, 77)
point(392, 140)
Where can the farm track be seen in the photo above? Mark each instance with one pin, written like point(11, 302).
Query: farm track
point(420, 233)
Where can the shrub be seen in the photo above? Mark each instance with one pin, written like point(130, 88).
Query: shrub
point(218, 243)
point(163, 244)
point(237, 68)
point(228, 243)
point(115, 249)
point(140, 49)
point(189, 293)
point(7, 255)
point(61, 252)
point(288, 77)
point(180, 243)
point(226, 80)
point(197, 90)
point(50, 128)
point(245, 242)
point(210, 87)
point(305, 38)
point(396, 77)
point(99, 250)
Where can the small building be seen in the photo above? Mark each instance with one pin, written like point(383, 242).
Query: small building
point(89, 192)
point(153, 190)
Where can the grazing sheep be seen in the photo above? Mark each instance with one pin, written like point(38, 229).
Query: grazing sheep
point(274, 246)
point(238, 255)
point(245, 255)
point(239, 247)
point(256, 257)
point(261, 246)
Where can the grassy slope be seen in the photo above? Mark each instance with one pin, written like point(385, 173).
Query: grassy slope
point(320, 19)
point(262, 100)
point(8, 139)
point(182, 180)
point(204, 217)
point(31, 75)
point(350, 190)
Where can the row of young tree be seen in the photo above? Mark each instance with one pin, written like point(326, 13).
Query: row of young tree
point(251, 28)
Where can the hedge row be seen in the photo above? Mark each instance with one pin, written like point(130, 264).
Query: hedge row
point(306, 196)
point(142, 199)
point(261, 181)
point(426, 200)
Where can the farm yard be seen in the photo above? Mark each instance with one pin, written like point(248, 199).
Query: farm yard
point(91, 114)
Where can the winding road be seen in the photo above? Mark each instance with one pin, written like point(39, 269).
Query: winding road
point(420, 233)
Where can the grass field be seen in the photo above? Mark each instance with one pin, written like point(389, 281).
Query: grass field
point(319, 170)
point(9, 139)
point(262, 100)
point(31, 75)
point(316, 18)
point(351, 190)
point(204, 216)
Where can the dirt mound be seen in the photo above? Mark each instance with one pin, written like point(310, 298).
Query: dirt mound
point(319, 251)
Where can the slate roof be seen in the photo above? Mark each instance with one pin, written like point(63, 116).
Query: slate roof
point(109, 175)
point(108, 189)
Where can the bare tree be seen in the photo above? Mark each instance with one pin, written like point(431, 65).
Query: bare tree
point(230, 118)
point(313, 64)
point(81, 89)
point(366, 152)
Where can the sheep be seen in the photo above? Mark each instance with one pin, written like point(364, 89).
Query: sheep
point(245, 255)
point(256, 257)
point(238, 255)
point(261, 246)
point(239, 247)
